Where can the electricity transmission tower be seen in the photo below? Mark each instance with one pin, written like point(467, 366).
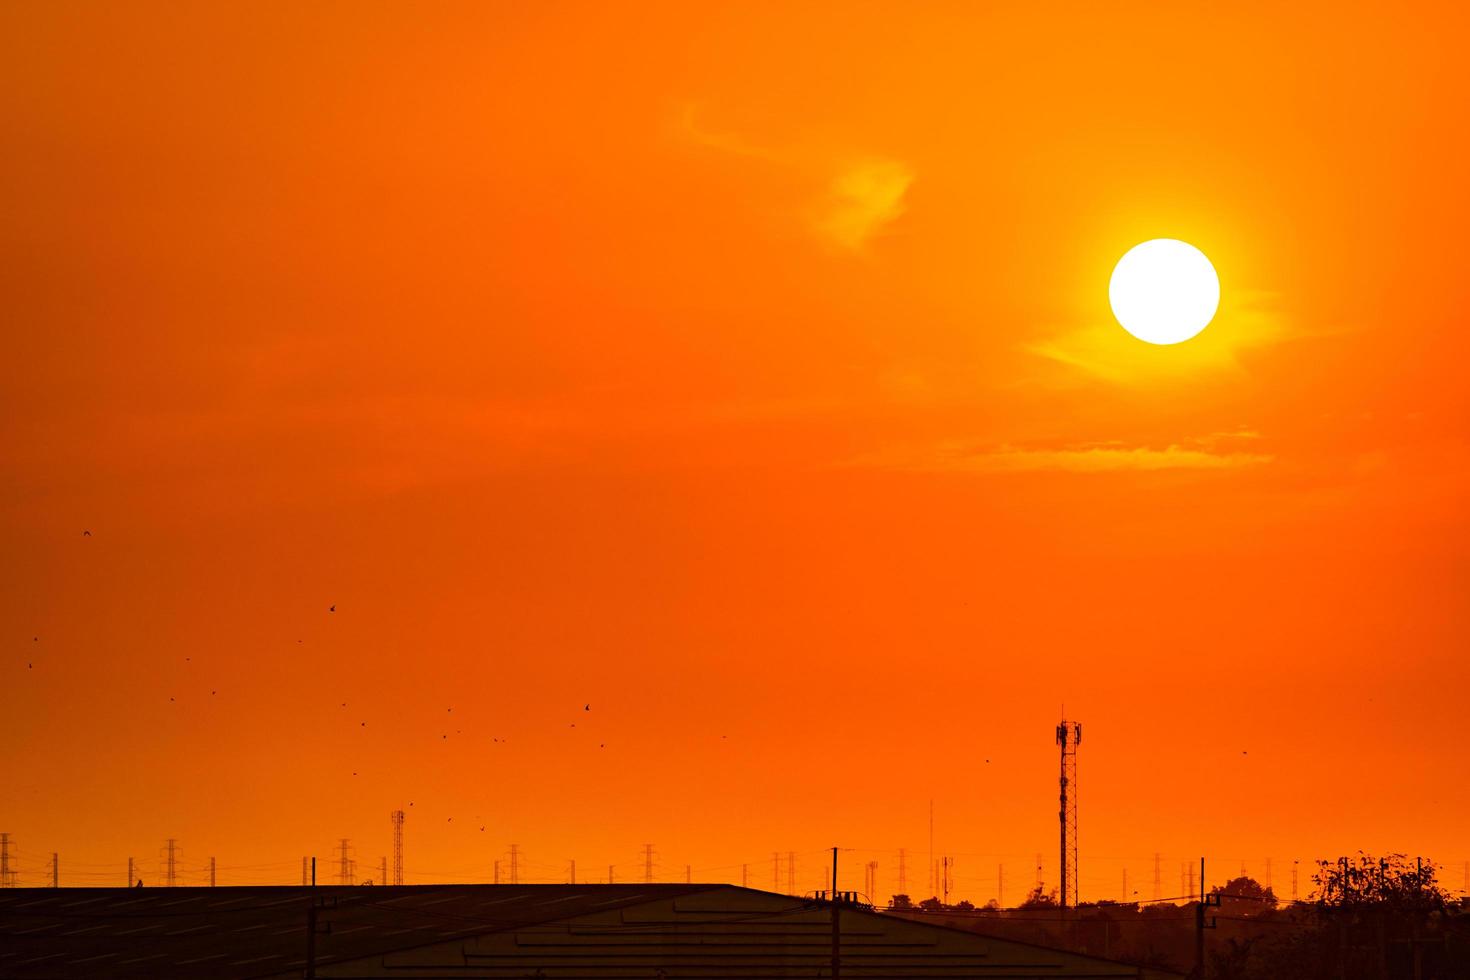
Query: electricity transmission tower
point(397, 847)
point(170, 874)
point(648, 864)
point(1069, 736)
point(7, 875)
point(344, 861)
point(515, 864)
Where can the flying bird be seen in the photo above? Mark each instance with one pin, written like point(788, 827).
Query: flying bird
point(332, 608)
point(587, 707)
point(86, 534)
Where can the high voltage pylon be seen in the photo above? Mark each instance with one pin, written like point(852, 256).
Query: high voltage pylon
point(344, 861)
point(131, 879)
point(170, 874)
point(7, 876)
point(1069, 736)
point(791, 872)
point(397, 817)
point(648, 864)
point(515, 864)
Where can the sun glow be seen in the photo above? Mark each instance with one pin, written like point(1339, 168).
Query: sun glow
point(1164, 291)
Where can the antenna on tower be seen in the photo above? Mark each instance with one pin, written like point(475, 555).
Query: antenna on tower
point(397, 847)
point(1069, 736)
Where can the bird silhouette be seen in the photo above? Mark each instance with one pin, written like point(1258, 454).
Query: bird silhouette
point(586, 707)
point(332, 608)
point(86, 534)
point(30, 666)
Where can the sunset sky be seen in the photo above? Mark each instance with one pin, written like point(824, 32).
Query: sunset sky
point(745, 372)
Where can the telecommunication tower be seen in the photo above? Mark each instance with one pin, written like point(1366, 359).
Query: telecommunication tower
point(397, 847)
point(1069, 736)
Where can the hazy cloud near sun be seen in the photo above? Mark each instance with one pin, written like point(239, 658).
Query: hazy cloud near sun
point(1248, 319)
point(1206, 453)
point(860, 195)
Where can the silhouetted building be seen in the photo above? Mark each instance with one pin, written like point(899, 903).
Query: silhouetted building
point(485, 931)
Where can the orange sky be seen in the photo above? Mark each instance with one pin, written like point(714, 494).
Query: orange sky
point(747, 373)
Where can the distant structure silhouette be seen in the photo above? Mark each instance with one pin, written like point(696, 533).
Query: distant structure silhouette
point(7, 874)
point(648, 864)
point(397, 817)
point(344, 861)
point(171, 870)
point(1069, 736)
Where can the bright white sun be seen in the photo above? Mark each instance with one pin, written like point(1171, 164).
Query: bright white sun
point(1164, 291)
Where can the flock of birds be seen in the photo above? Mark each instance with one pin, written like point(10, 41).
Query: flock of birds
point(332, 609)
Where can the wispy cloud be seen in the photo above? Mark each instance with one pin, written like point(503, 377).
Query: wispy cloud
point(1095, 458)
point(861, 201)
point(1104, 351)
point(857, 199)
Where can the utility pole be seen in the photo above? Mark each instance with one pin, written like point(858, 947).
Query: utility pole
point(1000, 885)
point(55, 870)
point(903, 872)
point(383, 869)
point(933, 885)
point(304, 879)
point(1158, 879)
point(609, 874)
point(688, 875)
point(7, 877)
point(1069, 737)
point(572, 873)
point(1294, 865)
point(397, 817)
point(170, 877)
point(1200, 925)
point(515, 864)
point(211, 872)
point(1267, 882)
point(648, 864)
point(313, 871)
point(836, 927)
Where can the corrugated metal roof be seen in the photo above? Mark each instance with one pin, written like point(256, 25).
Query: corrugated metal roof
point(181, 932)
point(489, 931)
